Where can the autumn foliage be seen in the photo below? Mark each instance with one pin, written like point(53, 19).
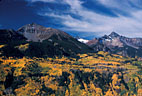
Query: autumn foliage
point(94, 74)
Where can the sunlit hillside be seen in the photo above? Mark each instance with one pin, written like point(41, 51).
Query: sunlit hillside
point(94, 74)
point(70, 47)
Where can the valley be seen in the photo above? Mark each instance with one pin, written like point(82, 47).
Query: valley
point(40, 61)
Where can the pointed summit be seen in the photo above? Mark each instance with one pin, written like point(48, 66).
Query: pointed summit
point(34, 25)
point(114, 34)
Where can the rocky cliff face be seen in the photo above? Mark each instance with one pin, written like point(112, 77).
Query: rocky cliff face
point(118, 44)
point(36, 33)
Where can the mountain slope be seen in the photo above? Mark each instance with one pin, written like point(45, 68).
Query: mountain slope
point(43, 42)
point(114, 43)
point(37, 33)
point(9, 35)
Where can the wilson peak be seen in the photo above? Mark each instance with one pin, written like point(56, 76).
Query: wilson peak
point(114, 34)
point(117, 44)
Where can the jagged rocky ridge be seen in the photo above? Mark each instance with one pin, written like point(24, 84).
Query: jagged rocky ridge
point(117, 44)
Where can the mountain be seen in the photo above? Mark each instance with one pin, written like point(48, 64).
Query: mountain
point(117, 44)
point(34, 40)
point(37, 33)
point(41, 42)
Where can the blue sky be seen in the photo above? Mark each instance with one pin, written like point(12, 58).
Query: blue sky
point(85, 18)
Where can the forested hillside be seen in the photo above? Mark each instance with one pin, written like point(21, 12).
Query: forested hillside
point(94, 74)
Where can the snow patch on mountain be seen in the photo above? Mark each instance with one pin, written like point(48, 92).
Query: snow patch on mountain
point(83, 40)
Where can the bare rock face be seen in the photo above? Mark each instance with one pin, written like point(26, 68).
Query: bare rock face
point(38, 33)
point(92, 42)
point(118, 44)
point(114, 35)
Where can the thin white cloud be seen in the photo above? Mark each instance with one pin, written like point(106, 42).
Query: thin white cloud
point(101, 24)
point(122, 5)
